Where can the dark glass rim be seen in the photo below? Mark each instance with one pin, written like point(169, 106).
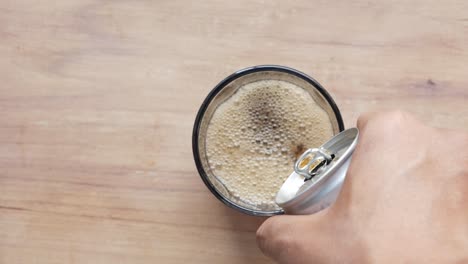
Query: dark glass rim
point(216, 90)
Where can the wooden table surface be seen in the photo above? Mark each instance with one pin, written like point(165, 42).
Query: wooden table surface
point(98, 99)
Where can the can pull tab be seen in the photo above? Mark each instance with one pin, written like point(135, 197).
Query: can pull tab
point(312, 162)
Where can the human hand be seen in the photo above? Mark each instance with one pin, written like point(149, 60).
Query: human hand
point(404, 200)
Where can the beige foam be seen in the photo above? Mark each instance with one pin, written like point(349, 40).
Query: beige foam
point(265, 124)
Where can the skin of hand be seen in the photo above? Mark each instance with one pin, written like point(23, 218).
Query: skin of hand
point(404, 200)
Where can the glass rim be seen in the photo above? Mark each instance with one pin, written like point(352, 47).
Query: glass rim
point(219, 87)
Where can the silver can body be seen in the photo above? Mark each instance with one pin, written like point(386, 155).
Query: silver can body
point(303, 194)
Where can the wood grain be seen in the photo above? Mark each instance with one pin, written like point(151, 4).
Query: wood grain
point(98, 98)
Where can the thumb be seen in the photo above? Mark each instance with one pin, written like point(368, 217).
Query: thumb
point(292, 238)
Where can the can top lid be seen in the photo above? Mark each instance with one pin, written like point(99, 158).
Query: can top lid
point(315, 166)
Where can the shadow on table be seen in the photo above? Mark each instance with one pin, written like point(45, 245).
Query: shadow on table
point(245, 227)
point(243, 222)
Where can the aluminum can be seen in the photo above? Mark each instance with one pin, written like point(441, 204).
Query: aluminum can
point(318, 175)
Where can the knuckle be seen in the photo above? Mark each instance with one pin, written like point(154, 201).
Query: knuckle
point(369, 123)
point(380, 127)
point(396, 116)
point(383, 120)
point(265, 234)
point(284, 247)
point(262, 233)
point(362, 121)
point(275, 237)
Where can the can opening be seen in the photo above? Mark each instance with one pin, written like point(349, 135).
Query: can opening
point(316, 166)
point(312, 162)
point(318, 175)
